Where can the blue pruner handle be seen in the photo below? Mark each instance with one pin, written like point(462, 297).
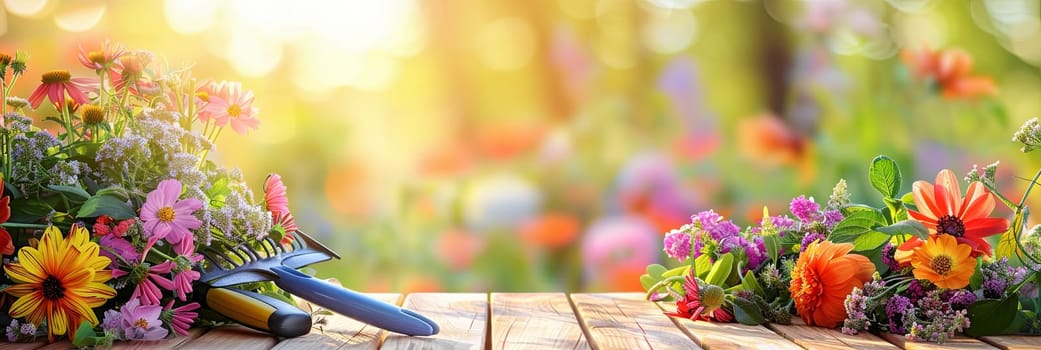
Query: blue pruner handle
point(353, 304)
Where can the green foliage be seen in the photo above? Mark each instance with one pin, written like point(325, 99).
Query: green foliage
point(992, 316)
point(721, 270)
point(885, 176)
point(747, 312)
point(106, 204)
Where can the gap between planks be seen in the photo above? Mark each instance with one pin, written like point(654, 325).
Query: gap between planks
point(534, 321)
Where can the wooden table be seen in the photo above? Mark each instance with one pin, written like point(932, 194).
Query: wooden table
point(550, 321)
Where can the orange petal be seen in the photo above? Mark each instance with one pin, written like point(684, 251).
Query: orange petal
point(925, 199)
point(978, 202)
point(951, 193)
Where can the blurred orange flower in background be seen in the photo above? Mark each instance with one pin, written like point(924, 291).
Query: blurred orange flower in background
point(950, 70)
point(822, 278)
point(553, 230)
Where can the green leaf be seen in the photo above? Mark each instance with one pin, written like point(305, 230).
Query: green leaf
point(747, 312)
point(858, 229)
point(27, 210)
point(646, 281)
point(702, 265)
point(679, 271)
point(908, 199)
point(73, 193)
point(1007, 246)
point(106, 205)
point(853, 208)
point(85, 336)
point(721, 270)
point(118, 192)
point(750, 283)
point(773, 246)
point(992, 316)
point(656, 270)
point(885, 176)
point(906, 227)
point(976, 281)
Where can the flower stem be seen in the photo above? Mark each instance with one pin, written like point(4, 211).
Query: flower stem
point(661, 284)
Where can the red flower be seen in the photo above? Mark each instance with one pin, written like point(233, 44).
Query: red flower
point(699, 303)
point(6, 245)
point(943, 210)
point(950, 70)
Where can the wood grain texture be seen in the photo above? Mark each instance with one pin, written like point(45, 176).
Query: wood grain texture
point(627, 321)
point(827, 339)
point(534, 321)
point(462, 317)
point(715, 335)
point(231, 338)
point(172, 343)
point(1014, 342)
point(341, 332)
point(23, 346)
point(959, 342)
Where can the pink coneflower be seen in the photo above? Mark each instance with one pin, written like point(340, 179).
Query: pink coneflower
point(141, 322)
point(231, 105)
point(180, 318)
point(100, 57)
point(278, 205)
point(702, 303)
point(275, 194)
point(184, 275)
point(148, 281)
point(55, 84)
point(165, 216)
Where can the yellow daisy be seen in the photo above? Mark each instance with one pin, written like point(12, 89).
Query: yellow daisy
point(60, 281)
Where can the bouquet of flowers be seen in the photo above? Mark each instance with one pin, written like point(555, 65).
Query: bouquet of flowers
point(916, 263)
point(107, 193)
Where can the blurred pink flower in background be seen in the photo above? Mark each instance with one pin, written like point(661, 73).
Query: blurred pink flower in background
point(457, 248)
point(616, 250)
point(649, 186)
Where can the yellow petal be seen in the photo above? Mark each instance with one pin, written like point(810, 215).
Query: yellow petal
point(20, 274)
point(26, 304)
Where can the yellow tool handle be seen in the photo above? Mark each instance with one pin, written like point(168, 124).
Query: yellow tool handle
point(257, 311)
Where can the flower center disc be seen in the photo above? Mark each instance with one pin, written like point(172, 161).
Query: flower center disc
point(165, 214)
point(56, 76)
point(950, 225)
point(52, 288)
point(142, 323)
point(96, 57)
point(234, 111)
point(941, 264)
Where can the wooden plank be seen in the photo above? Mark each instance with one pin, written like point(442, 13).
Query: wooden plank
point(23, 346)
point(627, 321)
point(1014, 342)
point(462, 317)
point(534, 321)
point(232, 337)
point(959, 342)
point(341, 332)
point(168, 344)
point(716, 335)
point(825, 338)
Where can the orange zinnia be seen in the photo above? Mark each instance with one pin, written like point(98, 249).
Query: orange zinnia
point(950, 69)
point(822, 278)
point(944, 211)
point(944, 262)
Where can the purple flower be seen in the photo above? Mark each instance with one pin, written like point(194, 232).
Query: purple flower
point(113, 246)
point(960, 298)
point(12, 331)
point(141, 322)
point(916, 291)
point(677, 245)
point(112, 321)
point(888, 257)
point(165, 216)
point(714, 224)
point(810, 238)
point(783, 222)
point(897, 309)
point(832, 218)
point(805, 209)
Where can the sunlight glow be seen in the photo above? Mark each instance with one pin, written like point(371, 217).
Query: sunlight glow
point(25, 8)
point(79, 16)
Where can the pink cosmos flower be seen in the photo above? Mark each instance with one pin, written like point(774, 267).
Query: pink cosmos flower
point(55, 84)
point(165, 216)
point(180, 318)
point(229, 104)
point(141, 322)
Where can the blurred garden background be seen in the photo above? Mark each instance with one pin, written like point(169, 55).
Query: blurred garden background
point(548, 145)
